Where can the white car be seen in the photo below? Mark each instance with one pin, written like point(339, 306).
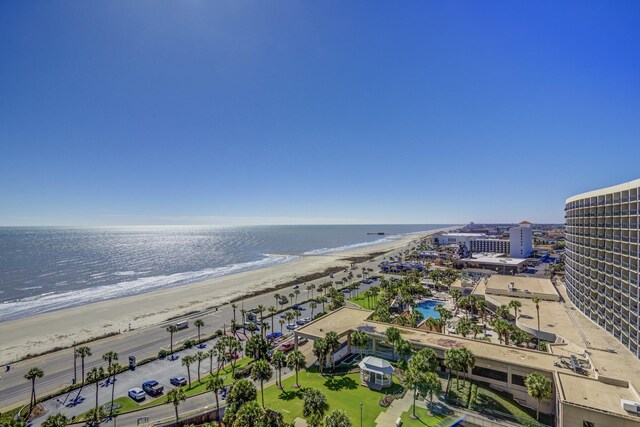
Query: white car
point(137, 394)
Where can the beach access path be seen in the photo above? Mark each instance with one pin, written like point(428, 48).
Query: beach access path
point(144, 342)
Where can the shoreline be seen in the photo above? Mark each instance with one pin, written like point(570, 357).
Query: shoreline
point(38, 334)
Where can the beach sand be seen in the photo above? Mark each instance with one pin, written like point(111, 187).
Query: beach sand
point(45, 331)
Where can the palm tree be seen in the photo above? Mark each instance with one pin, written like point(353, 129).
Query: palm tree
point(431, 384)
point(262, 372)
point(261, 308)
point(536, 301)
point(281, 324)
point(515, 304)
point(413, 379)
point(538, 387)
point(32, 375)
point(314, 406)
point(243, 312)
point(95, 375)
point(83, 352)
point(113, 370)
point(272, 311)
point(279, 361)
point(109, 357)
point(333, 344)
point(503, 329)
point(172, 329)
point(313, 306)
point(214, 385)
point(198, 324)
point(320, 350)
point(57, 420)
point(296, 361)
point(291, 295)
point(296, 292)
point(467, 359)
point(337, 418)
point(277, 297)
point(289, 316)
point(503, 311)
point(187, 361)
point(94, 416)
point(392, 334)
point(453, 361)
point(297, 313)
point(360, 340)
point(481, 305)
point(176, 396)
point(199, 357)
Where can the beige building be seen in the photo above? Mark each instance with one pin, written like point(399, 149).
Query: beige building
point(602, 232)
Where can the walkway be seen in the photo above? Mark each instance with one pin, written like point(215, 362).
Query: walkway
point(395, 410)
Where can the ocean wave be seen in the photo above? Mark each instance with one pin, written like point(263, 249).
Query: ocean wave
point(29, 288)
point(386, 239)
point(51, 301)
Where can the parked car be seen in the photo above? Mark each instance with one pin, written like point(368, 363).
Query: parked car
point(178, 381)
point(291, 326)
point(296, 287)
point(137, 394)
point(298, 307)
point(152, 388)
point(288, 346)
point(233, 355)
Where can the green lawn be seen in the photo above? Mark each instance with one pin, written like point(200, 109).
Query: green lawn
point(342, 391)
point(363, 302)
point(424, 419)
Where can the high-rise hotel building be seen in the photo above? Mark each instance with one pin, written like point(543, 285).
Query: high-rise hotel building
point(602, 267)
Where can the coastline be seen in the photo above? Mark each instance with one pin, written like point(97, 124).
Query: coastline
point(43, 332)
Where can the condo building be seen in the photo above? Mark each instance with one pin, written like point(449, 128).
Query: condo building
point(519, 244)
point(602, 232)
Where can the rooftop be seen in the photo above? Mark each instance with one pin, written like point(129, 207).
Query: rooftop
point(602, 191)
point(494, 259)
point(465, 234)
point(499, 284)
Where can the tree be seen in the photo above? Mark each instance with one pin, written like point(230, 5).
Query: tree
point(413, 379)
point(536, 301)
point(82, 353)
point(519, 336)
point(210, 354)
point(314, 406)
point(392, 334)
point(515, 304)
point(241, 392)
point(257, 347)
point(214, 385)
point(94, 416)
point(272, 311)
point(313, 306)
point(187, 361)
point(175, 396)
point(110, 357)
point(199, 324)
point(94, 376)
point(424, 361)
point(296, 361)
point(502, 311)
point(172, 329)
point(503, 329)
point(538, 387)
point(463, 327)
point(113, 371)
point(262, 372)
point(337, 418)
point(403, 348)
point(431, 384)
point(32, 375)
point(360, 340)
point(467, 360)
point(279, 362)
point(333, 344)
point(320, 350)
point(248, 415)
point(199, 357)
point(481, 305)
point(453, 361)
point(57, 420)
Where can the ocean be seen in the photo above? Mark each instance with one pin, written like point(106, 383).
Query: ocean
point(50, 268)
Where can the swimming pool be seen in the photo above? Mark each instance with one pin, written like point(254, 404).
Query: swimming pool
point(427, 308)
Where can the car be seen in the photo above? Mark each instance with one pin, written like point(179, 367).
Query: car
point(152, 388)
point(288, 346)
point(296, 287)
point(178, 381)
point(291, 326)
point(229, 356)
point(137, 394)
point(298, 307)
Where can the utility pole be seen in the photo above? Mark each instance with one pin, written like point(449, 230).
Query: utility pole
point(75, 370)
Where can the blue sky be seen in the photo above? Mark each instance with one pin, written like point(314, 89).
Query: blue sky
point(186, 112)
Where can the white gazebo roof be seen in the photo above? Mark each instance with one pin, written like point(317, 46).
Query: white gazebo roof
point(375, 364)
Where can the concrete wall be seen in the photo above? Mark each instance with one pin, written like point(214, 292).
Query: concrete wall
point(575, 416)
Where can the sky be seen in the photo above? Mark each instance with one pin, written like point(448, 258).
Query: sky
point(261, 112)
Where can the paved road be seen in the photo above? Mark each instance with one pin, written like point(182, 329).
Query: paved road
point(141, 343)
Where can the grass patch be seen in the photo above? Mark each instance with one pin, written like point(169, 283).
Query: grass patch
point(424, 419)
point(343, 391)
point(364, 302)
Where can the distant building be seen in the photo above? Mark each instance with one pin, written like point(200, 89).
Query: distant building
point(521, 240)
point(518, 245)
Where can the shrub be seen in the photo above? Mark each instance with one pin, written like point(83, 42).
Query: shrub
point(163, 353)
point(242, 372)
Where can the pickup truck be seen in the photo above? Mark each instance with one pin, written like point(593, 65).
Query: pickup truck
point(152, 388)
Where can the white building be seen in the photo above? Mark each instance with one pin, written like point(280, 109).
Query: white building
point(521, 239)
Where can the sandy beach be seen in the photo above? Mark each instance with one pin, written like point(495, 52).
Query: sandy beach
point(46, 331)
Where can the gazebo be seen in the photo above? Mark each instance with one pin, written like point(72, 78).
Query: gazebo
point(376, 373)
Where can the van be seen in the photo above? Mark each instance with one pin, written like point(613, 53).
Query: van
point(182, 325)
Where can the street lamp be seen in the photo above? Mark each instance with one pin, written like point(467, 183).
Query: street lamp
point(360, 414)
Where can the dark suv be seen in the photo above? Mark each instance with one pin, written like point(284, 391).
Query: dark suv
point(152, 388)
